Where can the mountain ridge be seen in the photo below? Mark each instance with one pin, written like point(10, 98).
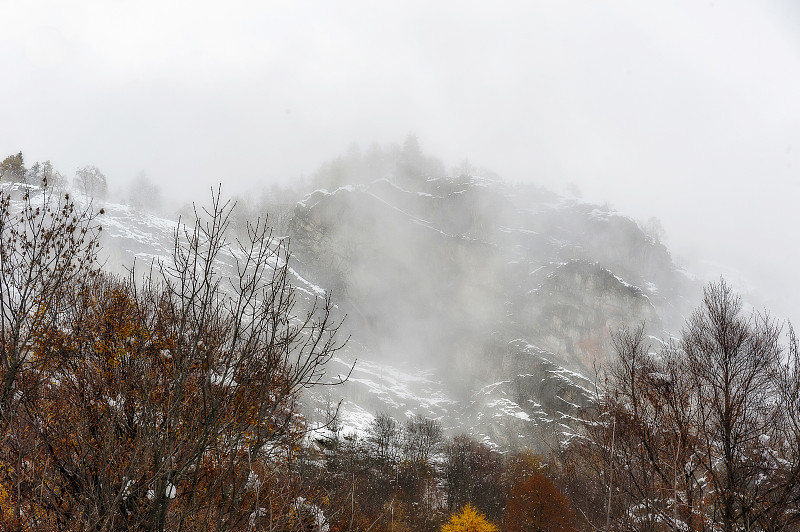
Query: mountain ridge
point(478, 303)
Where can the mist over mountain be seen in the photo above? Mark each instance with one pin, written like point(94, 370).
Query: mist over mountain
point(486, 305)
point(560, 307)
point(506, 294)
point(421, 324)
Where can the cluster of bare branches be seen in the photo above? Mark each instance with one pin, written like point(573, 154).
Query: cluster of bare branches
point(47, 247)
point(163, 403)
point(702, 434)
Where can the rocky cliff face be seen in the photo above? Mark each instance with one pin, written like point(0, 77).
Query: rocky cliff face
point(507, 295)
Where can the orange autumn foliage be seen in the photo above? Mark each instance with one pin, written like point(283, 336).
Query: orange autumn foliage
point(534, 504)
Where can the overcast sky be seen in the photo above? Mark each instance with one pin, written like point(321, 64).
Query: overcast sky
point(684, 110)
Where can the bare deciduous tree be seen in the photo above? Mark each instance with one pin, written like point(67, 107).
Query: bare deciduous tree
point(735, 366)
point(704, 430)
point(91, 181)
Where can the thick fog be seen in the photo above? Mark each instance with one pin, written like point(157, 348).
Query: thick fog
point(685, 111)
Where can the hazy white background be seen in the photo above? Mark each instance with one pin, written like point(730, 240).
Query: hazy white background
point(684, 110)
